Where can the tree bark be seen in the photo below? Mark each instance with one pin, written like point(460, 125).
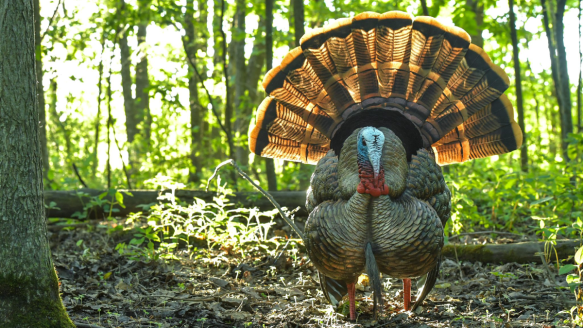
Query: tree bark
point(518, 87)
point(29, 287)
point(299, 20)
point(40, 93)
point(242, 112)
point(70, 202)
point(269, 164)
point(194, 102)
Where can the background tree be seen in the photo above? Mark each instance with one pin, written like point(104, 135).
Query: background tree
point(29, 288)
point(518, 86)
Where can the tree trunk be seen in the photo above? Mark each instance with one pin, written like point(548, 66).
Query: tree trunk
point(132, 116)
point(579, 127)
point(559, 70)
point(518, 87)
point(228, 103)
point(242, 112)
point(98, 116)
point(477, 7)
point(29, 287)
point(566, 108)
point(269, 164)
point(142, 102)
point(40, 94)
point(298, 6)
point(194, 102)
point(424, 7)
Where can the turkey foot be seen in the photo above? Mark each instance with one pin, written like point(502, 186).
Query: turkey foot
point(352, 299)
point(407, 294)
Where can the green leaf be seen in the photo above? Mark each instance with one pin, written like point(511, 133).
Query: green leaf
point(542, 200)
point(573, 278)
point(119, 198)
point(103, 195)
point(579, 256)
point(567, 268)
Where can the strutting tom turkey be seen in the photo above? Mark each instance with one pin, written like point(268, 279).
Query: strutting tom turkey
point(378, 101)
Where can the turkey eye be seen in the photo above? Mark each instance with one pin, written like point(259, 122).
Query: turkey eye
point(363, 142)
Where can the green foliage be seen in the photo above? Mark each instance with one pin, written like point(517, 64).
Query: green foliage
point(546, 200)
point(176, 225)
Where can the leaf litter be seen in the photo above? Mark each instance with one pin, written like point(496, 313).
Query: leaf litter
point(220, 288)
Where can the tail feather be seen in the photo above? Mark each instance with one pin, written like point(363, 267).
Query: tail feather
point(374, 275)
point(429, 73)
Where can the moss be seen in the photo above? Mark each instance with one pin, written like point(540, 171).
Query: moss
point(26, 302)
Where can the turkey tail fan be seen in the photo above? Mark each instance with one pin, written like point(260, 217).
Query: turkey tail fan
point(386, 70)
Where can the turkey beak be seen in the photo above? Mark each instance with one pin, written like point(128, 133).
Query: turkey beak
point(374, 156)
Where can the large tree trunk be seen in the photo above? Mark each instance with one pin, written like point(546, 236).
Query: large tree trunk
point(242, 112)
point(40, 93)
point(29, 288)
point(194, 102)
point(518, 86)
point(269, 164)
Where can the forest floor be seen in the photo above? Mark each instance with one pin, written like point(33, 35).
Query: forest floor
point(102, 288)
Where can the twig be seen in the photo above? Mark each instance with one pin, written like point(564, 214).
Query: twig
point(51, 21)
point(283, 250)
point(484, 233)
point(79, 175)
point(261, 190)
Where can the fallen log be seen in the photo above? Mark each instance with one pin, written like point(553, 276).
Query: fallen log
point(68, 202)
point(525, 252)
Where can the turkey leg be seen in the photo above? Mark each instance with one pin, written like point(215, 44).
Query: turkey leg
point(352, 299)
point(407, 294)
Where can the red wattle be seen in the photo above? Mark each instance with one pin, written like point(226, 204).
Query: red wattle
point(369, 184)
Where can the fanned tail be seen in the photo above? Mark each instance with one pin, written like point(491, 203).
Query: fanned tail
point(386, 70)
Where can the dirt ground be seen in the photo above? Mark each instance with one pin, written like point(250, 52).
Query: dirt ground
point(102, 288)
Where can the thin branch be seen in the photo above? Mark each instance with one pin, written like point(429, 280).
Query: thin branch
point(79, 175)
point(51, 21)
point(261, 190)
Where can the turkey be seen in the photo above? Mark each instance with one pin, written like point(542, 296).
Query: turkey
point(378, 102)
